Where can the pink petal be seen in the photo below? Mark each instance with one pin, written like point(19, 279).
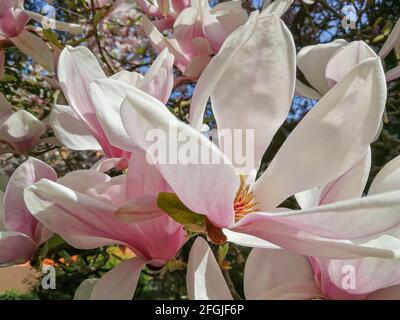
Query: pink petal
point(15, 248)
point(119, 283)
point(69, 129)
point(204, 279)
point(284, 275)
point(209, 187)
point(387, 179)
point(17, 216)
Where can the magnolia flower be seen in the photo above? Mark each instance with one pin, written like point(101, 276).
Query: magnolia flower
point(13, 20)
point(286, 275)
point(20, 130)
point(78, 126)
point(333, 136)
point(88, 209)
point(165, 11)
point(20, 233)
point(323, 65)
point(198, 33)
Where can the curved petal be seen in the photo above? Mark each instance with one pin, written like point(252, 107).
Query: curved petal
point(85, 289)
point(393, 74)
point(333, 136)
point(15, 248)
point(316, 231)
point(17, 216)
point(247, 240)
point(276, 273)
point(119, 283)
point(69, 129)
point(370, 274)
point(306, 91)
point(204, 279)
point(388, 179)
point(393, 41)
point(312, 62)
point(21, 130)
point(77, 68)
point(107, 96)
point(209, 79)
point(159, 80)
point(345, 59)
point(206, 185)
point(87, 220)
point(36, 48)
point(348, 186)
point(391, 293)
point(269, 91)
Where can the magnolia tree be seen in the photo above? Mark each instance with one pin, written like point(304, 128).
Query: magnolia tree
point(221, 149)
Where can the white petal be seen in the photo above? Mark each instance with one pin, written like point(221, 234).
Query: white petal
point(388, 179)
point(204, 279)
point(333, 136)
point(69, 129)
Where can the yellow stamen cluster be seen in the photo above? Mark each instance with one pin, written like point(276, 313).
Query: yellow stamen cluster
point(244, 200)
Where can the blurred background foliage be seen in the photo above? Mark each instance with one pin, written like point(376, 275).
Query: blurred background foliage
point(118, 45)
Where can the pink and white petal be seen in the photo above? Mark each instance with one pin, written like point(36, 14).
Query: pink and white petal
point(391, 293)
point(247, 240)
point(230, 15)
point(262, 78)
point(350, 185)
point(309, 198)
point(387, 179)
point(106, 164)
point(120, 282)
point(139, 209)
point(21, 130)
point(207, 186)
point(15, 248)
point(144, 178)
point(70, 130)
point(278, 7)
point(85, 289)
point(36, 48)
point(293, 239)
point(17, 216)
point(345, 59)
point(77, 68)
point(159, 80)
point(209, 79)
point(333, 136)
point(392, 42)
point(196, 66)
point(306, 91)
point(269, 270)
point(351, 219)
point(371, 274)
point(312, 62)
point(393, 74)
point(107, 96)
point(83, 221)
point(131, 78)
point(213, 30)
point(204, 279)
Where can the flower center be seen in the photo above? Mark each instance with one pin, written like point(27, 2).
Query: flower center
point(244, 201)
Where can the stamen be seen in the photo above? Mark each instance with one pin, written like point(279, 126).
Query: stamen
point(244, 200)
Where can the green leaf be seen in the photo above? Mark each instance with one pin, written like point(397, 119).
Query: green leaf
point(8, 78)
point(173, 206)
point(222, 252)
point(52, 38)
point(55, 241)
